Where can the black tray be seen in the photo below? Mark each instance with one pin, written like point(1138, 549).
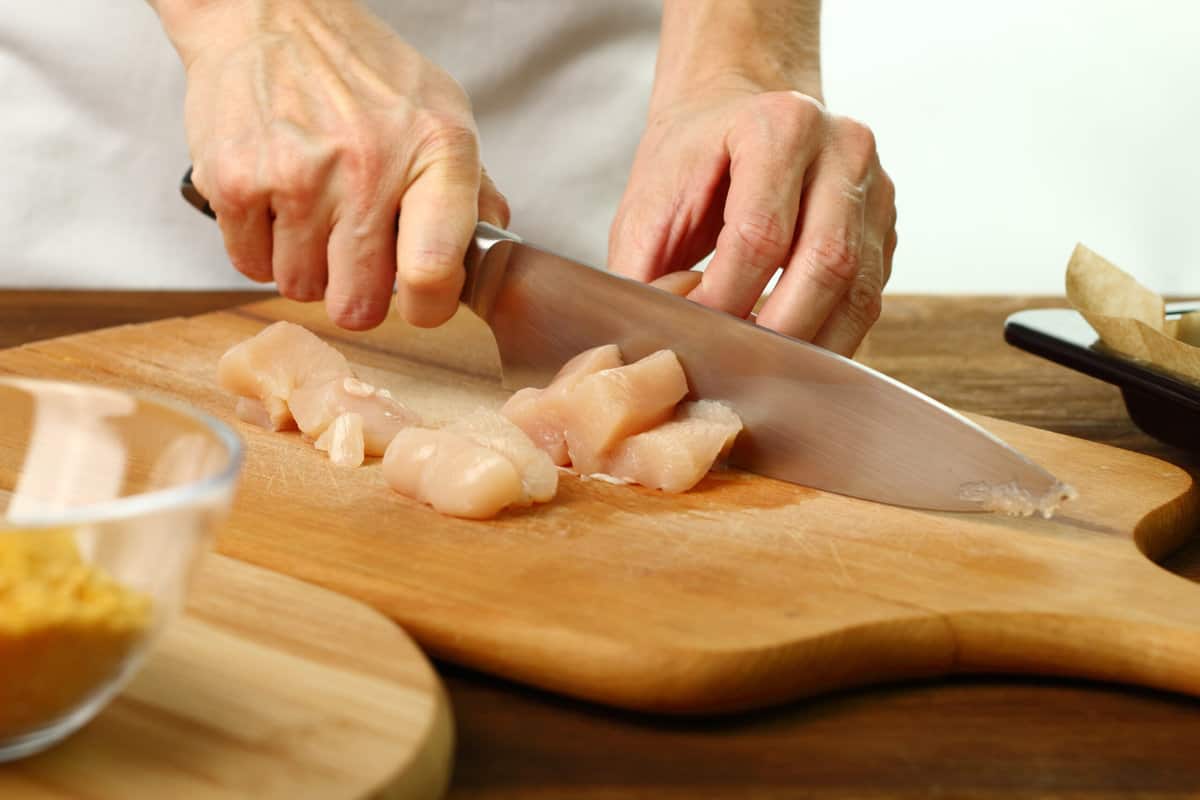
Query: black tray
point(1164, 406)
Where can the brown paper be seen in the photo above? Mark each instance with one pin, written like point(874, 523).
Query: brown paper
point(1188, 328)
point(1130, 318)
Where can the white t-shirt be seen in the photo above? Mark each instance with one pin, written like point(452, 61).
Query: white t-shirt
point(92, 143)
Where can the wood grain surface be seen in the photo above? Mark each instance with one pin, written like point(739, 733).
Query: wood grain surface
point(265, 688)
point(741, 593)
point(966, 737)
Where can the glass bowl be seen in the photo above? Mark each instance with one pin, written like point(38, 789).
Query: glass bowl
point(107, 500)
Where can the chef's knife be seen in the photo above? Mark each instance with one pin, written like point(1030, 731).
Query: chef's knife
point(811, 417)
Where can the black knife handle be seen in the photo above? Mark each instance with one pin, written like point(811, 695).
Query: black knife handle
point(193, 196)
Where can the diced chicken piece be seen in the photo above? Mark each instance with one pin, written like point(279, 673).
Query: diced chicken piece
point(540, 412)
point(316, 405)
point(272, 364)
point(539, 475)
point(676, 455)
point(343, 440)
point(272, 415)
point(614, 404)
point(451, 473)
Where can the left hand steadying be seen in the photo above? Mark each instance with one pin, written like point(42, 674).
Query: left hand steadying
point(770, 179)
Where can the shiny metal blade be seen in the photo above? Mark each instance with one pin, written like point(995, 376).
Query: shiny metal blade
point(812, 417)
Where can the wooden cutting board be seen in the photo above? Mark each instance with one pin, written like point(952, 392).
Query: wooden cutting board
point(266, 688)
point(743, 592)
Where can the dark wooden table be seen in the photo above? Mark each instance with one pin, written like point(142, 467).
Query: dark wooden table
point(977, 737)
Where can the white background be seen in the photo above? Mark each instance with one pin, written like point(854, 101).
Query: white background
point(1015, 128)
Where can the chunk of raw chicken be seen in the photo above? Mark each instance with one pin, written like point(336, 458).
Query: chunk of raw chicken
point(451, 473)
point(611, 405)
point(541, 413)
point(676, 455)
point(343, 440)
point(276, 418)
point(539, 476)
point(316, 405)
point(269, 366)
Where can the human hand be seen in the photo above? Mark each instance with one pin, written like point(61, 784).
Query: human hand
point(312, 125)
point(770, 179)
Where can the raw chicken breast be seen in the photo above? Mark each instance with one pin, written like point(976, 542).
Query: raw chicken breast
point(316, 405)
point(539, 476)
point(275, 418)
point(451, 473)
point(674, 456)
point(540, 412)
point(613, 404)
point(272, 364)
point(343, 440)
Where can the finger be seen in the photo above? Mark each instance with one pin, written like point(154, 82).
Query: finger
point(243, 212)
point(769, 155)
point(303, 218)
point(437, 220)
point(493, 205)
point(889, 252)
point(664, 228)
point(828, 252)
point(889, 248)
point(362, 268)
point(862, 304)
point(680, 283)
point(299, 258)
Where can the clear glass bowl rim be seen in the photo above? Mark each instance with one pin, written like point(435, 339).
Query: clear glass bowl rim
point(145, 503)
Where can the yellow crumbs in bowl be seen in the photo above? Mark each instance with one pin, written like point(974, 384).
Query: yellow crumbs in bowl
point(66, 628)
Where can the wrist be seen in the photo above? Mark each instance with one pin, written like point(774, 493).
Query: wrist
point(732, 80)
point(196, 25)
point(756, 46)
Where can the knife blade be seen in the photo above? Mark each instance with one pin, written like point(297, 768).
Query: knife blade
point(811, 417)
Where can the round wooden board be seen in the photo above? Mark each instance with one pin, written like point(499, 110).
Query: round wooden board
point(268, 688)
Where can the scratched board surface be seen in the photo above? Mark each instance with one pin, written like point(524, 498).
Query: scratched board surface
point(743, 592)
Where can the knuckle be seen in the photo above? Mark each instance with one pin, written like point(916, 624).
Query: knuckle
point(252, 269)
point(864, 303)
point(235, 184)
point(788, 107)
point(431, 269)
point(298, 170)
point(365, 155)
point(856, 143)
point(364, 162)
point(762, 240)
point(857, 138)
point(355, 312)
point(832, 261)
point(889, 190)
point(301, 289)
point(442, 137)
point(789, 118)
point(295, 185)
